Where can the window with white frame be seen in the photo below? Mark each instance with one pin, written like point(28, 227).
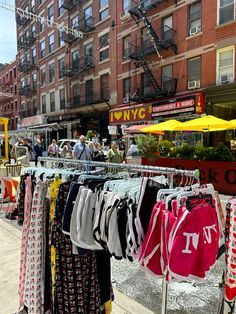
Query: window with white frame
point(167, 23)
point(74, 22)
point(41, 23)
point(225, 65)
point(33, 31)
point(52, 101)
point(226, 11)
point(88, 16)
point(60, 38)
point(126, 47)
point(42, 49)
point(51, 14)
point(195, 12)
point(103, 12)
point(51, 43)
point(34, 56)
point(88, 52)
point(60, 7)
point(194, 72)
point(104, 47)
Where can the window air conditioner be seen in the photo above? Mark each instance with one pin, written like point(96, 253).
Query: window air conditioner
point(124, 15)
point(193, 84)
point(194, 30)
point(224, 79)
point(125, 100)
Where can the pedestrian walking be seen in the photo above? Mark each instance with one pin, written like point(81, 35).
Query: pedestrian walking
point(114, 155)
point(67, 151)
point(53, 149)
point(38, 150)
point(81, 150)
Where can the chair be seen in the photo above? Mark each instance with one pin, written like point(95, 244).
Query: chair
point(13, 170)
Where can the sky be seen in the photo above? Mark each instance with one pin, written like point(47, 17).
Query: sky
point(8, 46)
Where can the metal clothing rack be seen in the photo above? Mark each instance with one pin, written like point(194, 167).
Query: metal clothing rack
point(194, 174)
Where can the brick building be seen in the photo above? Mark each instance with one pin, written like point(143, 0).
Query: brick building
point(9, 93)
point(66, 81)
point(177, 58)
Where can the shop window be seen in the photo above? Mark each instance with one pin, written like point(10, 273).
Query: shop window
point(104, 86)
point(225, 65)
point(42, 49)
point(126, 88)
point(61, 67)
point(104, 47)
point(103, 12)
point(89, 92)
point(51, 72)
point(60, 7)
point(43, 77)
point(52, 101)
point(194, 73)
point(126, 47)
point(51, 43)
point(195, 10)
point(43, 104)
point(226, 11)
point(62, 98)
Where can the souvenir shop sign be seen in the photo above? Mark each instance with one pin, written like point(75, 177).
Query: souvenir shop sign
point(175, 106)
point(133, 113)
point(34, 120)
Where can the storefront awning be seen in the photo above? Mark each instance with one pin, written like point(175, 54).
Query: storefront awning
point(138, 129)
point(42, 126)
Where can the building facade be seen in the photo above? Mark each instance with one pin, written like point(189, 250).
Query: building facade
point(9, 94)
point(65, 79)
point(178, 57)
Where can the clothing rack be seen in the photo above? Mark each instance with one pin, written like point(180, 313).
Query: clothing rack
point(194, 174)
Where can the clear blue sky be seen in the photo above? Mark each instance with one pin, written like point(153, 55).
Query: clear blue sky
point(8, 46)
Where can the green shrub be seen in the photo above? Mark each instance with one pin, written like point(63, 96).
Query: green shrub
point(165, 148)
point(223, 153)
point(147, 144)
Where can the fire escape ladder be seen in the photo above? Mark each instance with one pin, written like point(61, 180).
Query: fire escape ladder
point(149, 73)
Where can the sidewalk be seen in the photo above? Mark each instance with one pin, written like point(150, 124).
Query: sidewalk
point(10, 243)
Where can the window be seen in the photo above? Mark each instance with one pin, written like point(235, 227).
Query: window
point(32, 6)
point(61, 67)
point(103, 12)
point(194, 70)
point(104, 86)
point(51, 14)
point(225, 65)
point(15, 89)
point(41, 23)
point(126, 4)
point(51, 72)
point(42, 48)
point(33, 31)
point(88, 16)
point(127, 87)
point(52, 101)
point(34, 78)
point(145, 38)
point(168, 28)
point(43, 76)
point(146, 86)
point(167, 81)
point(195, 17)
point(126, 48)
point(15, 105)
point(51, 43)
point(88, 52)
point(62, 99)
point(14, 70)
point(89, 91)
point(60, 38)
point(43, 104)
point(74, 22)
point(75, 60)
point(226, 11)
point(34, 56)
point(27, 57)
point(60, 7)
point(104, 47)
point(76, 95)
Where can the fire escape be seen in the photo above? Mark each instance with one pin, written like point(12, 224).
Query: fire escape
point(153, 44)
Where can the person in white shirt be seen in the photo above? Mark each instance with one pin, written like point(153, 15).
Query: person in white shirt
point(53, 149)
point(81, 150)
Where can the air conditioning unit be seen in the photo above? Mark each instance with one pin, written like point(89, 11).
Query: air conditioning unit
point(124, 15)
point(224, 79)
point(125, 100)
point(194, 30)
point(193, 84)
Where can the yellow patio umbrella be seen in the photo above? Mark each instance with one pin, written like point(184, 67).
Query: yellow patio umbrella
point(168, 125)
point(205, 123)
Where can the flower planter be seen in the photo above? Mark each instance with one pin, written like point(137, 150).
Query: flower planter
point(222, 174)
